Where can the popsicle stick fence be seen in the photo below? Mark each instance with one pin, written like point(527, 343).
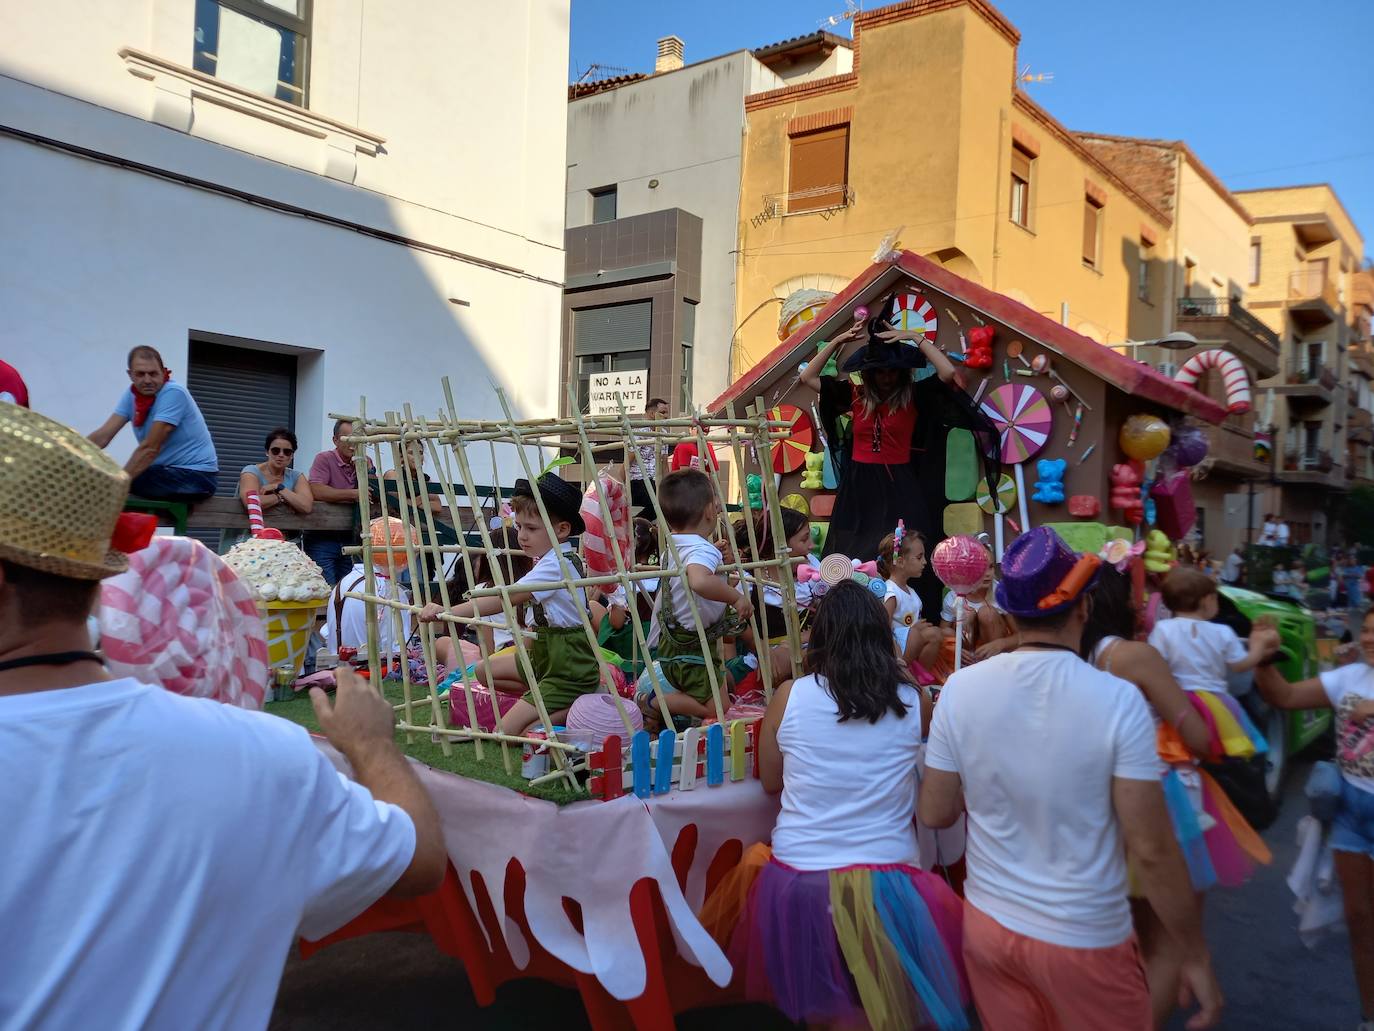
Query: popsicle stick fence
point(635, 762)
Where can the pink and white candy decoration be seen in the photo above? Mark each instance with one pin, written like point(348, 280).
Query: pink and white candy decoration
point(1234, 380)
point(599, 540)
point(256, 526)
point(180, 617)
point(960, 562)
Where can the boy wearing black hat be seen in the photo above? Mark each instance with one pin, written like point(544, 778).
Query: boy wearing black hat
point(565, 665)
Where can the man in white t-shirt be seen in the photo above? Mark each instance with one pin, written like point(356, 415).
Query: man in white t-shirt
point(1056, 764)
point(164, 851)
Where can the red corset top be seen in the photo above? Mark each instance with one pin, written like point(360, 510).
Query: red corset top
point(883, 438)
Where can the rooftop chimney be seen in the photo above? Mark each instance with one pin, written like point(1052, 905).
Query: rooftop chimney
point(669, 55)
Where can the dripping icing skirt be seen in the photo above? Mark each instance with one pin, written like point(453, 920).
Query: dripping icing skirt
point(874, 944)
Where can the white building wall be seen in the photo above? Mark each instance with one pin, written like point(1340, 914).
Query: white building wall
point(99, 258)
point(684, 129)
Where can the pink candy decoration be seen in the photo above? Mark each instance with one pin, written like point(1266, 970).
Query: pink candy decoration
point(960, 563)
point(861, 314)
point(597, 713)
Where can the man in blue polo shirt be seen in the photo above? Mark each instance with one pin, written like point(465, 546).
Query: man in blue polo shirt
point(175, 458)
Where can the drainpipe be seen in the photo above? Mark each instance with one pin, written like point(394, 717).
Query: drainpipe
point(997, 193)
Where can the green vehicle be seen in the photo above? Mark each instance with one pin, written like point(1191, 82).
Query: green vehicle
point(1288, 733)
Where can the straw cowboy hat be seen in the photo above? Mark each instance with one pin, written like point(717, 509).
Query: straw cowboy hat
point(60, 500)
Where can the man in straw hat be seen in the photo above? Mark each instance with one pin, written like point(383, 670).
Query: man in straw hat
point(1056, 764)
point(165, 851)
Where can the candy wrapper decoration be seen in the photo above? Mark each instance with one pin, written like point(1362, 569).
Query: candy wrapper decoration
point(1144, 437)
point(1174, 511)
point(181, 618)
point(598, 540)
point(1118, 552)
point(1188, 447)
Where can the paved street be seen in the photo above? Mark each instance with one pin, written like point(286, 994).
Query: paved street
point(402, 982)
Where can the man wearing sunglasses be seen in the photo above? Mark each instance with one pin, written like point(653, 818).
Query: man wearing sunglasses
point(175, 459)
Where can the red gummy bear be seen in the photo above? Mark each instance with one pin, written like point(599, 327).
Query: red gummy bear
point(1126, 480)
point(979, 353)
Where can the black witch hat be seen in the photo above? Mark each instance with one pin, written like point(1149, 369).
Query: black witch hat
point(883, 354)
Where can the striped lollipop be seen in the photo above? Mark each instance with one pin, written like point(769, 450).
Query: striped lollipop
point(914, 313)
point(1005, 498)
point(1022, 416)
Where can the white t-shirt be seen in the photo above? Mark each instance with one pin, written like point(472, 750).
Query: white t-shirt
point(1354, 752)
point(350, 631)
point(1270, 533)
point(1282, 534)
point(560, 604)
point(1231, 569)
point(906, 614)
point(1197, 651)
point(1037, 737)
point(164, 854)
point(848, 789)
point(694, 550)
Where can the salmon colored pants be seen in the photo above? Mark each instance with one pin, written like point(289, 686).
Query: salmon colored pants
point(1024, 984)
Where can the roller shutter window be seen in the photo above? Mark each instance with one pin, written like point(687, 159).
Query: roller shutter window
point(610, 338)
point(818, 169)
point(243, 394)
point(1020, 187)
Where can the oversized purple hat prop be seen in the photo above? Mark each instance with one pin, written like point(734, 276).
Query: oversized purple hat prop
point(1041, 576)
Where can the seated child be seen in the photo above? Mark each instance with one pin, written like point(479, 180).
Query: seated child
point(902, 559)
point(565, 665)
point(689, 505)
point(346, 618)
point(986, 630)
point(796, 530)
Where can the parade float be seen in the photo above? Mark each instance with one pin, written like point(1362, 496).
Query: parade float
point(583, 859)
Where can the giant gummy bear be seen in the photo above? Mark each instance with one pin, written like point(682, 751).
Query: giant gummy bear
point(1126, 480)
point(1160, 554)
point(1049, 489)
point(979, 353)
point(812, 476)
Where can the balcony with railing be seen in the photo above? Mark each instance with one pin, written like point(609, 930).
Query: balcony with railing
point(1311, 467)
point(1212, 318)
point(1307, 380)
point(1312, 298)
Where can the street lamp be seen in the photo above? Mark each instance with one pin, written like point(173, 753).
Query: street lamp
point(1177, 340)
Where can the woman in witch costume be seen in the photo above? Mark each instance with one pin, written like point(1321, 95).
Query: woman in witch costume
point(895, 418)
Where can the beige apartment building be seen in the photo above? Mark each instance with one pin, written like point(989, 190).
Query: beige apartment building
point(1204, 291)
point(1304, 274)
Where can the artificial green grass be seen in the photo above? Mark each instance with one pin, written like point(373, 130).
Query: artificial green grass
point(463, 760)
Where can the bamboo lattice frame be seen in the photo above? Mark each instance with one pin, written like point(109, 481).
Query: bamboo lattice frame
point(447, 440)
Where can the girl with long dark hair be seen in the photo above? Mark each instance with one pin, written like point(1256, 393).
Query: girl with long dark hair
point(1213, 845)
point(838, 905)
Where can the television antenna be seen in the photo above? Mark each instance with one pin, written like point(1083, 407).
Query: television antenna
point(852, 9)
point(1026, 76)
point(596, 71)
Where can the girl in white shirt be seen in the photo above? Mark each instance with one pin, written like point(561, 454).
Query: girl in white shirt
point(1349, 691)
point(838, 901)
point(901, 559)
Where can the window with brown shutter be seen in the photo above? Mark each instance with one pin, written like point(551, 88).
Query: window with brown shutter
point(1021, 163)
point(818, 169)
point(1092, 232)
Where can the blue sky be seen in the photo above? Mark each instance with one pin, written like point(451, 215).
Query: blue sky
point(1266, 92)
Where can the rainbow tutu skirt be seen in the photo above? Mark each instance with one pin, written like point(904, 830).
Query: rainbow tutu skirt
point(874, 944)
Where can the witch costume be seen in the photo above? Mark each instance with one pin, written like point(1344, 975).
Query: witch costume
point(891, 462)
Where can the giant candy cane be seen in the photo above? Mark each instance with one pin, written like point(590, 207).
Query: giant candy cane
point(1234, 380)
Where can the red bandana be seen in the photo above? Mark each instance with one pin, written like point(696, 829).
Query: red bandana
point(143, 404)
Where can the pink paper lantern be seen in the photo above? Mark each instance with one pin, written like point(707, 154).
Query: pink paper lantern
point(960, 563)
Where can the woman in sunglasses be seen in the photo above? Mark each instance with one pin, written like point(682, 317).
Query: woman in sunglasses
point(273, 480)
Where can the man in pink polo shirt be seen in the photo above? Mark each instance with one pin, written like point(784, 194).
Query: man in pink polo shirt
point(333, 478)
